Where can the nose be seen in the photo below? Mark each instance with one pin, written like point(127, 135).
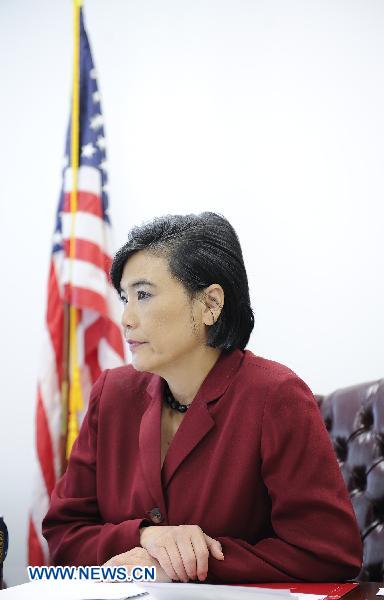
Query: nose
point(129, 318)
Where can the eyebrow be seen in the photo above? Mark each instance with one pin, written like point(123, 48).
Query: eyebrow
point(138, 283)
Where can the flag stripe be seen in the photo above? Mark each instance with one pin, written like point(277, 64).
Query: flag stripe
point(79, 272)
point(44, 445)
point(55, 319)
point(35, 552)
point(84, 297)
point(113, 337)
point(111, 333)
point(93, 364)
point(90, 252)
point(89, 179)
point(86, 202)
point(39, 509)
point(87, 227)
point(49, 387)
point(107, 356)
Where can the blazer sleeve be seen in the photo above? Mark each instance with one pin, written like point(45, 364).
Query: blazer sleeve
point(73, 527)
point(316, 537)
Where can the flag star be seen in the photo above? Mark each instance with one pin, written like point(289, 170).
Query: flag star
point(103, 165)
point(100, 142)
point(96, 96)
point(65, 162)
point(92, 73)
point(97, 121)
point(105, 188)
point(88, 150)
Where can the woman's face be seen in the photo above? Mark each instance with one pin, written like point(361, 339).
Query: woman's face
point(159, 313)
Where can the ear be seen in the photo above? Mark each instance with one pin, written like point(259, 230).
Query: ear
point(213, 301)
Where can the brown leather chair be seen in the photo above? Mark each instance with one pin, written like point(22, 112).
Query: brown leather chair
point(354, 417)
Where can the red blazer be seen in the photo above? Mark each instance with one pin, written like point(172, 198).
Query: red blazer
point(251, 463)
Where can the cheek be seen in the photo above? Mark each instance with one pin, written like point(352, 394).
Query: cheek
point(171, 323)
point(159, 322)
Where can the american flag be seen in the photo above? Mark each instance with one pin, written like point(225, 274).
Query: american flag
point(83, 283)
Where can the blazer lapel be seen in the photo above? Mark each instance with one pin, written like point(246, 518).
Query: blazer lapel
point(150, 443)
point(194, 427)
point(196, 424)
point(198, 421)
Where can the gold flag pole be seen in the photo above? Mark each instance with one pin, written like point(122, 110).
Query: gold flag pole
point(75, 401)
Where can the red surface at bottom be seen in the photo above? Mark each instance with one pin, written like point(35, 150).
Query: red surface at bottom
point(332, 591)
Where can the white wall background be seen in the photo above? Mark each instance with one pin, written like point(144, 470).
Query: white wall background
point(271, 113)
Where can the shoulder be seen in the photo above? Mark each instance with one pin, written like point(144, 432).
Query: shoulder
point(269, 367)
point(119, 385)
point(265, 371)
point(127, 375)
point(273, 380)
point(126, 380)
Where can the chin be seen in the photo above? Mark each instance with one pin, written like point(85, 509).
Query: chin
point(138, 365)
point(149, 365)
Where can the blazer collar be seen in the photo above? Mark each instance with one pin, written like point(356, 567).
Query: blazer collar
point(215, 383)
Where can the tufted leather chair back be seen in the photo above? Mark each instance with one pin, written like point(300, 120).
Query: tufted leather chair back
point(354, 418)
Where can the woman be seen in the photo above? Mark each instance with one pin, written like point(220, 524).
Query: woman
point(200, 457)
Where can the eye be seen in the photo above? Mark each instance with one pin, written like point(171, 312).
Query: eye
point(141, 295)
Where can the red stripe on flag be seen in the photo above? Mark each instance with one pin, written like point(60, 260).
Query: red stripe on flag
point(90, 252)
point(85, 298)
point(35, 552)
point(93, 365)
point(113, 335)
point(44, 445)
point(107, 329)
point(86, 202)
point(55, 319)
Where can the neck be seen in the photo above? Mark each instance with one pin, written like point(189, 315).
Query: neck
point(185, 377)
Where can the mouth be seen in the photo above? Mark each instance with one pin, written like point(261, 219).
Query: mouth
point(133, 345)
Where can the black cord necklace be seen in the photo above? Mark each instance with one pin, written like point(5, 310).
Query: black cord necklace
point(172, 402)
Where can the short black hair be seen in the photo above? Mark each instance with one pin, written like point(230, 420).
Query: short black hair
point(201, 249)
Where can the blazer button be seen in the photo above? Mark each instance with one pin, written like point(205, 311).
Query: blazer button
point(155, 515)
